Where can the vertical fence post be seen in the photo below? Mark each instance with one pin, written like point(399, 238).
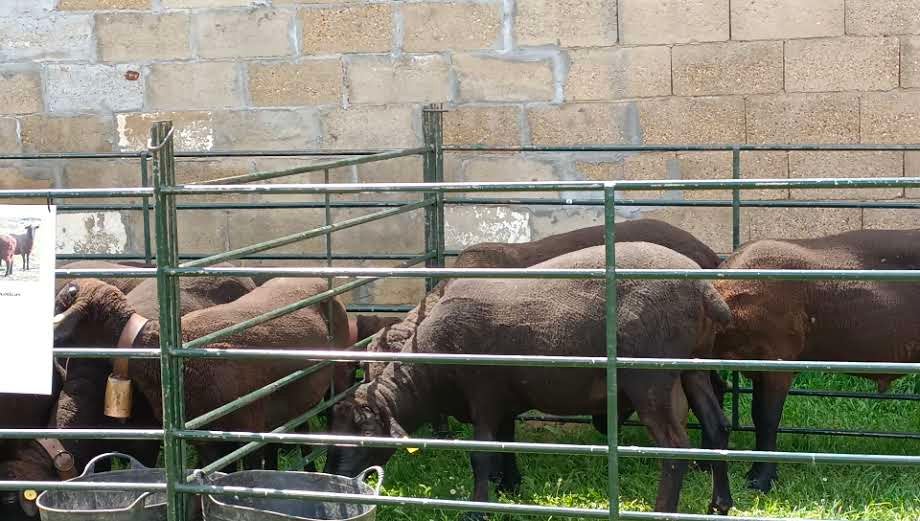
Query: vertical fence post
point(171, 367)
point(613, 485)
point(438, 123)
point(145, 181)
point(430, 175)
point(736, 241)
point(330, 281)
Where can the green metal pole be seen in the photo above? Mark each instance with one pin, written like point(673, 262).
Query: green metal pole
point(736, 241)
point(429, 175)
point(613, 485)
point(145, 181)
point(170, 327)
point(438, 124)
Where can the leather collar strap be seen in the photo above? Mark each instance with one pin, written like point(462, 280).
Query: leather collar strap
point(63, 460)
point(131, 330)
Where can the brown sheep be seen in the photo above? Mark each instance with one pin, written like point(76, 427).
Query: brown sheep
point(78, 403)
point(7, 252)
point(839, 321)
point(32, 411)
point(396, 337)
point(557, 317)
point(92, 305)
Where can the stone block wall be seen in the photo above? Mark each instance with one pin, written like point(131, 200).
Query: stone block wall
point(92, 75)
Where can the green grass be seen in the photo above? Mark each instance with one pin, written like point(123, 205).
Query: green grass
point(804, 490)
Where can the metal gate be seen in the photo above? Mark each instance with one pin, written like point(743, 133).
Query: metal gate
point(178, 430)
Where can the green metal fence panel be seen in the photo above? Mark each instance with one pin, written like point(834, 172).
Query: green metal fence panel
point(177, 432)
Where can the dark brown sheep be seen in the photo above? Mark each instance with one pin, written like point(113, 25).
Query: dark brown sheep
point(851, 321)
point(32, 411)
point(665, 318)
point(522, 255)
point(78, 403)
point(24, 244)
point(93, 305)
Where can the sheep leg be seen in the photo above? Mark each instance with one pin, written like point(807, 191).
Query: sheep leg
point(652, 395)
point(770, 391)
point(702, 399)
point(510, 482)
point(486, 465)
point(719, 389)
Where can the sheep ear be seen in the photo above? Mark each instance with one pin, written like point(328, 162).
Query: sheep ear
point(396, 429)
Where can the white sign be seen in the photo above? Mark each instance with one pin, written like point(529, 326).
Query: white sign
point(26, 298)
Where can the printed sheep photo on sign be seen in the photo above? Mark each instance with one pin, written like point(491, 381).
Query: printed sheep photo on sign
point(18, 237)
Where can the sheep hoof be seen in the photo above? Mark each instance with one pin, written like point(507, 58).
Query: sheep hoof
point(474, 516)
point(761, 479)
point(704, 466)
point(720, 506)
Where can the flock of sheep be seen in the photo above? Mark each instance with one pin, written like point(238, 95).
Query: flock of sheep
point(737, 319)
point(17, 244)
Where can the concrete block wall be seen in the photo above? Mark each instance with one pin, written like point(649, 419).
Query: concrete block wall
point(92, 75)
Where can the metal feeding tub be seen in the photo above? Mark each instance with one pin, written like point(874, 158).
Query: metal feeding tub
point(239, 508)
point(110, 505)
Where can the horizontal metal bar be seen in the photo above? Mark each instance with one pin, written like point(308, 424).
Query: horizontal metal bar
point(263, 256)
point(283, 153)
point(84, 273)
point(266, 205)
point(190, 154)
point(82, 434)
point(105, 352)
point(844, 394)
point(682, 148)
point(364, 499)
point(378, 308)
point(551, 186)
point(73, 155)
point(553, 448)
point(586, 362)
point(695, 203)
point(81, 486)
point(504, 360)
point(562, 273)
point(316, 167)
point(300, 236)
point(77, 192)
point(666, 203)
point(885, 435)
point(743, 428)
point(290, 308)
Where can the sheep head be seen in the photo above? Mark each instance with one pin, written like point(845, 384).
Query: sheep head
point(98, 306)
point(358, 416)
point(31, 463)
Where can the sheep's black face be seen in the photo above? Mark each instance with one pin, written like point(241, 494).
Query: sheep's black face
point(351, 418)
point(16, 505)
point(80, 301)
